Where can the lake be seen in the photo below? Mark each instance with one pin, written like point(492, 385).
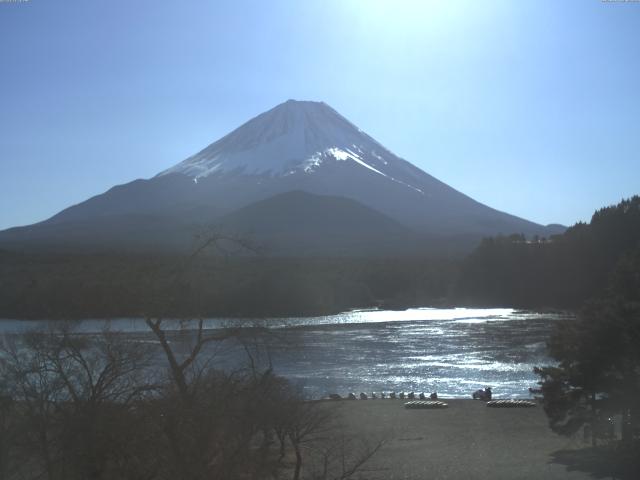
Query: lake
point(451, 351)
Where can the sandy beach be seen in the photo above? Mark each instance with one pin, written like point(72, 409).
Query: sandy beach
point(465, 441)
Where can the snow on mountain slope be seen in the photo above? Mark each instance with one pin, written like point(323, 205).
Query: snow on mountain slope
point(303, 145)
point(296, 137)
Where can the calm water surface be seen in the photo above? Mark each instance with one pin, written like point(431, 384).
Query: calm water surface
point(453, 351)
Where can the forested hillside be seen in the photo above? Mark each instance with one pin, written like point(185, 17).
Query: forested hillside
point(559, 272)
point(81, 286)
point(562, 271)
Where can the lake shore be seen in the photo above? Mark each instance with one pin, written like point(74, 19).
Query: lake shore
point(467, 440)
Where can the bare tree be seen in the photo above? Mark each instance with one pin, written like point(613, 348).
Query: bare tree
point(225, 424)
point(180, 368)
point(343, 457)
point(74, 394)
point(80, 406)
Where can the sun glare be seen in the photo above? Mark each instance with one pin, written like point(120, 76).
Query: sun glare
point(410, 16)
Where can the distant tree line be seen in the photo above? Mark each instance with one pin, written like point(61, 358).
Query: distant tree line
point(558, 272)
point(58, 286)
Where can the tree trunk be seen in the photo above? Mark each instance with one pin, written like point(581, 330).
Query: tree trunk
point(627, 432)
point(593, 426)
point(296, 473)
point(281, 439)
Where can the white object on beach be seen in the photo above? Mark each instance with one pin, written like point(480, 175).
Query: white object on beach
point(511, 404)
point(425, 404)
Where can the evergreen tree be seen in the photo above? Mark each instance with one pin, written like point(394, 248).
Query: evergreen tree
point(599, 360)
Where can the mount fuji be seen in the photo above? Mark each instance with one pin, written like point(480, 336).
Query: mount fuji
point(300, 178)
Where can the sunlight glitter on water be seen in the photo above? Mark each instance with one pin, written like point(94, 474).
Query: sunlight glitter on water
point(452, 350)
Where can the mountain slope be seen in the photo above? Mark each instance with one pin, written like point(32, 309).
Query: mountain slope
point(300, 223)
point(291, 223)
point(296, 146)
point(309, 146)
point(117, 232)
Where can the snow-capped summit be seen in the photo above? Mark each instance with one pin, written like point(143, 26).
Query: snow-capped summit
point(295, 137)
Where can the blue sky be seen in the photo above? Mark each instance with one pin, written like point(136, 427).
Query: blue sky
point(531, 107)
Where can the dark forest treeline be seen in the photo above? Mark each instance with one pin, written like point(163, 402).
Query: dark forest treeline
point(81, 286)
point(596, 374)
point(561, 272)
